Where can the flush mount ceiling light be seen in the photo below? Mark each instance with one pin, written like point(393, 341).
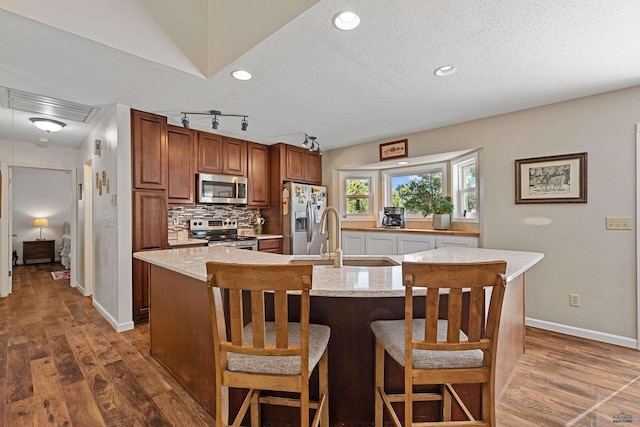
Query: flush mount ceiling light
point(445, 70)
point(241, 75)
point(47, 125)
point(311, 144)
point(214, 122)
point(346, 20)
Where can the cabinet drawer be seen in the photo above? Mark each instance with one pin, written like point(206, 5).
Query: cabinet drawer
point(270, 245)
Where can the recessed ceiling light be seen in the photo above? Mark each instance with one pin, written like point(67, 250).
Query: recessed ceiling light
point(43, 139)
point(241, 75)
point(445, 70)
point(346, 20)
point(47, 124)
point(404, 162)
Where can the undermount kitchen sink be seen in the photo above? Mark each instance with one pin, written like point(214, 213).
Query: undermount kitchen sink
point(346, 262)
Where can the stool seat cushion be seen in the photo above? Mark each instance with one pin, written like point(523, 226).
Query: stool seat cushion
point(280, 365)
point(390, 333)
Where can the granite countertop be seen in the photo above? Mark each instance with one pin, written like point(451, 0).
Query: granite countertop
point(412, 230)
point(348, 281)
point(189, 241)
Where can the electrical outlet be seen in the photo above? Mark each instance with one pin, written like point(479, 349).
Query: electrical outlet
point(574, 300)
point(618, 223)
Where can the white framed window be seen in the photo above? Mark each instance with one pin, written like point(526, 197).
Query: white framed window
point(464, 176)
point(395, 179)
point(358, 195)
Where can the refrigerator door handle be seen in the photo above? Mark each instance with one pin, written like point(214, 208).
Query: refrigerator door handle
point(309, 222)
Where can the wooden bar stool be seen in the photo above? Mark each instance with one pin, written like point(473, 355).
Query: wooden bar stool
point(274, 355)
point(437, 351)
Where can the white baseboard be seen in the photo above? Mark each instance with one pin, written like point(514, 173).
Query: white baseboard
point(582, 333)
point(119, 327)
point(79, 287)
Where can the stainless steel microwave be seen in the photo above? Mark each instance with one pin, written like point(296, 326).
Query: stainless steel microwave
point(221, 189)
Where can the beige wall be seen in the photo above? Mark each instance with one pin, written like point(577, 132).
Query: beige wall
point(580, 255)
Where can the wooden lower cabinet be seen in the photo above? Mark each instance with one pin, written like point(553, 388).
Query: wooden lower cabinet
point(270, 245)
point(140, 290)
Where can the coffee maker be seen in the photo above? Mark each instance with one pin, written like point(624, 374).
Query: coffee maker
point(393, 217)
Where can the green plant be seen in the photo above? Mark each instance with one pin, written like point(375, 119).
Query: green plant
point(424, 195)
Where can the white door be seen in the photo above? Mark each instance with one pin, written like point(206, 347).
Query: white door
point(6, 253)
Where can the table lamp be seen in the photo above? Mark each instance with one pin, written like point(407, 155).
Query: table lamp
point(41, 222)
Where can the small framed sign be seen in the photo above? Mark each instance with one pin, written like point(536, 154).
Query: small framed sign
point(552, 179)
point(393, 150)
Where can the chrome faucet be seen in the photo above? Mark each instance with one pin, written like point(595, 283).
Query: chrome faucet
point(322, 229)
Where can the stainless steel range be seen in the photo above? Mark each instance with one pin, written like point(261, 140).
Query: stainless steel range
point(221, 232)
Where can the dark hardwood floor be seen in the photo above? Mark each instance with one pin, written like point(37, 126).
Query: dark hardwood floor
point(61, 364)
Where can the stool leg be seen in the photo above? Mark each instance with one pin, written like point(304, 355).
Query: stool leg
point(255, 409)
point(324, 387)
point(446, 403)
point(379, 384)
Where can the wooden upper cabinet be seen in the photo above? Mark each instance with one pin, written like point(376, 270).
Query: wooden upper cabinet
point(181, 150)
point(234, 155)
point(258, 175)
point(221, 155)
point(209, 153)
point(303, 165)
point(149, 150)
point(312, 167)
point(295, 163)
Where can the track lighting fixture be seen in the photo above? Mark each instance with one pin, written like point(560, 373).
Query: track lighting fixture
point(214, 122)
point(311, 144)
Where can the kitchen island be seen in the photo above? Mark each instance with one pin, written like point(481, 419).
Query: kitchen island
point(346, 299)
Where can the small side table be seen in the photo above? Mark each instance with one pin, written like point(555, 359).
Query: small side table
point(38, 249)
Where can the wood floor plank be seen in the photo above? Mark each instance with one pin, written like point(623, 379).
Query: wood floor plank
point(145, 409)
point(65, 360)
point(21, 414)
point(83, 409)
point(176, 411)
point(18, 381)
point(111, 405)
point(50, 408)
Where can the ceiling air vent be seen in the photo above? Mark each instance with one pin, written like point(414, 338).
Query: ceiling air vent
point(25, 101)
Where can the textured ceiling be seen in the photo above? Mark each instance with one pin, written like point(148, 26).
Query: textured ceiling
point(343, 87)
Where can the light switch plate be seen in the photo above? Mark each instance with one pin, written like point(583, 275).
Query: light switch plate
point(618, 223)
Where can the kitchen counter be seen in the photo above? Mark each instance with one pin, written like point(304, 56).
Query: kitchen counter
point(346, 299)
point(413, 230)
point(348, 281)
point(177, 243)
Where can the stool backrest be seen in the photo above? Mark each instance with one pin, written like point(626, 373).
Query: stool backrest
point(479, 280)
point(258, 280)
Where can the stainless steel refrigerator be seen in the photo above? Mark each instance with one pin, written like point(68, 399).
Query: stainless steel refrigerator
point(302, 207)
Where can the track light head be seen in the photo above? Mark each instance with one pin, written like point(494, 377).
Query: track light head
point(311, 144)
point(215, 122)
point(245, 123)
point(185, 122)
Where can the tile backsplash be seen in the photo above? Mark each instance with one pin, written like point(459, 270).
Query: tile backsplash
point(179, 216)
